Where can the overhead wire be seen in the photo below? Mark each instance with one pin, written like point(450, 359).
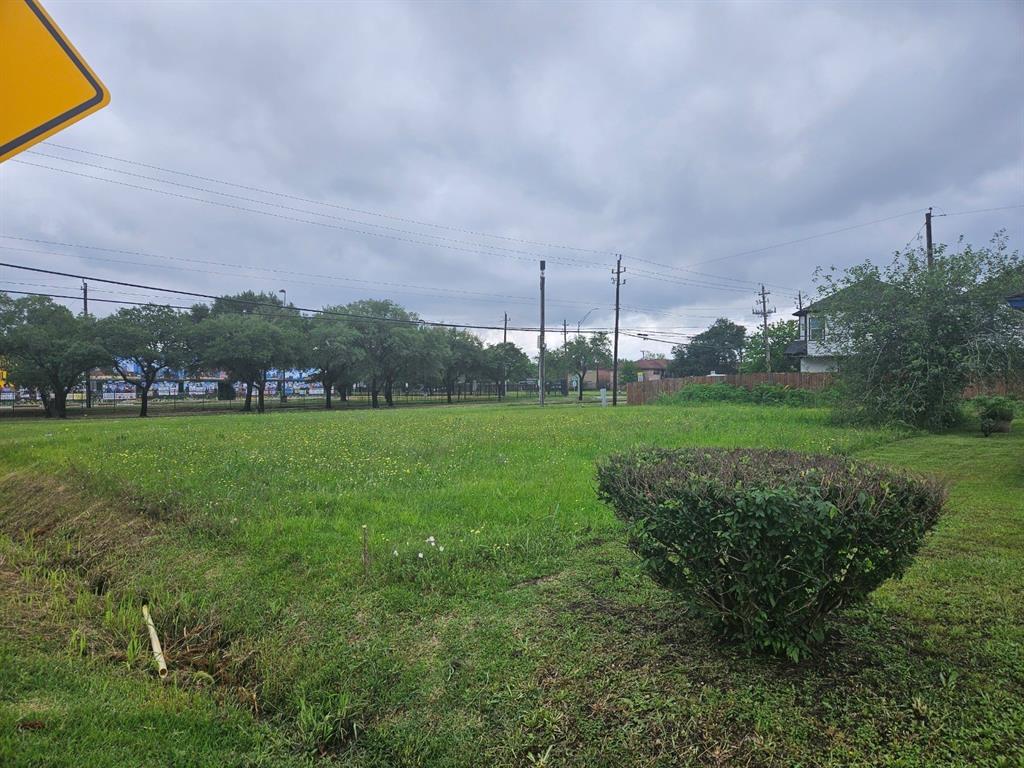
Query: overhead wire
point(443, 239)
point(328, 225)
point(361, 211)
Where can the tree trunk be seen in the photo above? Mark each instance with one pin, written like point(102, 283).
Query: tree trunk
point(248, 396)
point(144, 412)
point(60, 403)
point(47, 403)
point(389, 393)
point(343, 393)
point(327, 394)
point(448, 391)
point(373, 393)
point(583, 375)
point(259, 396)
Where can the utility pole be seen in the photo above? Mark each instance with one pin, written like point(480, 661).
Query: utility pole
point(928, 237)
point(88, 377)
point(504, 336)
point(565, 331)
point(615, 344)
point(284, 304)
point(802, 320)
point(540, 383)
point(764, 312)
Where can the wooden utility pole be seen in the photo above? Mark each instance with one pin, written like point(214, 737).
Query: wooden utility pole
point(504, 336)
point(763, 311)
point(540, 343)
point(565, 332)
point(88, 377)
point(928, 237)
point(617, 279)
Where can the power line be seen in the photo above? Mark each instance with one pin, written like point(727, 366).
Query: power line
point(442, 238)
point(251, 303)
point(397, 287)
point(565, 260)
point(979, 210)
point(723, 278)
point(805, 239)
point(337, 206)
point(496, 297)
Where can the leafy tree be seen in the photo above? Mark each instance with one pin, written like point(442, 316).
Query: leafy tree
point(628, 371)
point(506, 362)
point(780, 333)
point(333, 350)
point(910, 338)
point(48, 348)
point(392, 345)
point(248, 335)
point(462, 355)
point(581, 354)
point(152, 337)
point(719, 348)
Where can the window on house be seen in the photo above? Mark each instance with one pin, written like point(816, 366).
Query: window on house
point(815, 328)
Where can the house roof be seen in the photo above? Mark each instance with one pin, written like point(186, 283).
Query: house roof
point(652, 364)
point(822, 305)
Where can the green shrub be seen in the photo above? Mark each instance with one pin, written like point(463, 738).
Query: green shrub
point(995, 408)
point(762, 394)
point(766, 544)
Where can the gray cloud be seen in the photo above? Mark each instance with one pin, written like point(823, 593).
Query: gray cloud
point(669, 132)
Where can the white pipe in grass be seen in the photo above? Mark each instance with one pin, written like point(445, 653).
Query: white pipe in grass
point(154, 640)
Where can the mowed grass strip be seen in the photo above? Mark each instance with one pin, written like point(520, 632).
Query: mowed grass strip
point(529, 637)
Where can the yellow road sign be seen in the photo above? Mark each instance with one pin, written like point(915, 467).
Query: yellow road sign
point(45, 85)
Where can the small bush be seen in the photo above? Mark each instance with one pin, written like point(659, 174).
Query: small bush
point(995, 413)
point(766, 544)
point(762, 394)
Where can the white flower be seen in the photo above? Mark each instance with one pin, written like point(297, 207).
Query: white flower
point(440, 549)
point(395, 553)
point(420, 555)
point(431, 541)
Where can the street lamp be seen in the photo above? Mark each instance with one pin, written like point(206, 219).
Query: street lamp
point(579, 325)
point(284, 303)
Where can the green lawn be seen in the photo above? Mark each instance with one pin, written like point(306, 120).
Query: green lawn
point(530, 638)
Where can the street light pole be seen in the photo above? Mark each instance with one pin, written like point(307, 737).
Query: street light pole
point(583, 319)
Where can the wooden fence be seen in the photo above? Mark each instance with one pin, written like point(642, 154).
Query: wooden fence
point(644, 392)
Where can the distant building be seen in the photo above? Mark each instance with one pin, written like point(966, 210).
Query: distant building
point(651, 368)
point(1016, 301)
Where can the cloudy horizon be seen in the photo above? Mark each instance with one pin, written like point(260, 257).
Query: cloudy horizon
point(432, 153)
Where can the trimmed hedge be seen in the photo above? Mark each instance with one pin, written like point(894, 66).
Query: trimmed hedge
point(762, 394)
point(766, 544)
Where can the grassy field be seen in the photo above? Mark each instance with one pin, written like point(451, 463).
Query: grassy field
point(500, 619)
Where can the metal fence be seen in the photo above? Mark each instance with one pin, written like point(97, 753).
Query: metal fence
point(128, 403)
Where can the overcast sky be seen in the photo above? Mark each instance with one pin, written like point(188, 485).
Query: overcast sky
point(453, 145)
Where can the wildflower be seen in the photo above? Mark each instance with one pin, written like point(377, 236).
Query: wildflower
point(420, 555)
point(395, 553)
point(431, 541)
point(440, 549)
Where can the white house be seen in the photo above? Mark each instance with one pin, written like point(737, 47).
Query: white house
point(812, 346)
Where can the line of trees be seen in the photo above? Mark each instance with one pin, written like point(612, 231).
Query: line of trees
point(727, 347)
point(46, 347)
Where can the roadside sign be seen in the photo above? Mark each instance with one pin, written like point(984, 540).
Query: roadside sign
point(45, 85)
